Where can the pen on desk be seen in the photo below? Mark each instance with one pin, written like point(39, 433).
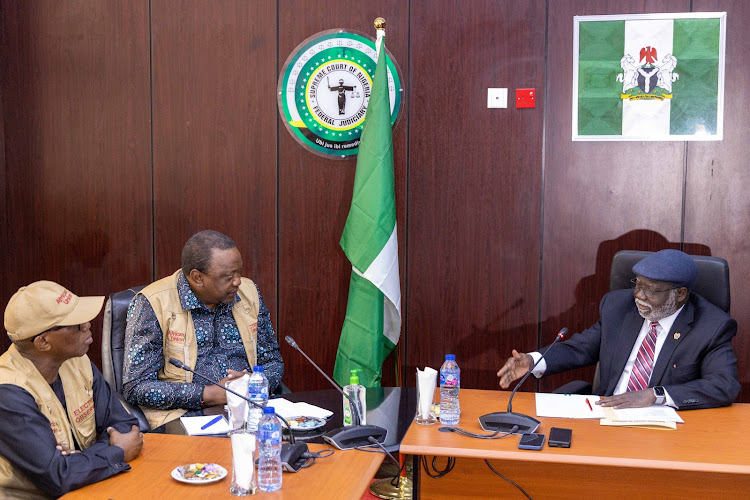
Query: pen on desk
point(589, 403)
point(214, 420)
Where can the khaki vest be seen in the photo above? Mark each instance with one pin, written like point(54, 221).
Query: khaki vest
point(179, 334)
point(78, 383)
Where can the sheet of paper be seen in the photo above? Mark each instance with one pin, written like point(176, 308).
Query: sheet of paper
point(642, 424)
point(287, 409)
point(568, 406)
point(654, 413)
point(193, 425)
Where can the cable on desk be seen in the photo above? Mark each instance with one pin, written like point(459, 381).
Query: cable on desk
point(311, 456)
point(494, 435)
point(511, 482)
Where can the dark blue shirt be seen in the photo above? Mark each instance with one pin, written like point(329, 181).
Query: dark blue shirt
point(27, 441)
point(220, 349)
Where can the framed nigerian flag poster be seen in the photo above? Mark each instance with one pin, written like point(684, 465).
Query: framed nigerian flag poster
point(649, 77)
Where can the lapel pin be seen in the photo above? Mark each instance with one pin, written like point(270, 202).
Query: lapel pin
point(677, 336)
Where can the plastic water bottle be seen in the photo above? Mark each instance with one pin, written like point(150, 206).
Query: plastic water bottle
point(450, 384)
point(269, 451)
point(257, 391)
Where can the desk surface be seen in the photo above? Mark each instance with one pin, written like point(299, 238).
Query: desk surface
point(392, 408)
point(344, 475)
point(709, 441)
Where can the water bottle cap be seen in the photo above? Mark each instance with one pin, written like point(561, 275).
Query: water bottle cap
point(268, 409)
point(450, 357)
point(257, 368)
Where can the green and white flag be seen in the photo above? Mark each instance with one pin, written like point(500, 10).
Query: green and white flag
point(649, 77)
point(373, 314)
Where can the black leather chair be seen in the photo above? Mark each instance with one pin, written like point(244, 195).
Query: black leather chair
point(712, 284)
point(113, 347)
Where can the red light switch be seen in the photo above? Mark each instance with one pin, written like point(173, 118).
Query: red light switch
point(525, 98)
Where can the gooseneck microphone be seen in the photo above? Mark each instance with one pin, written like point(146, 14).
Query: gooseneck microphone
point(517, 423)
point(345, 438)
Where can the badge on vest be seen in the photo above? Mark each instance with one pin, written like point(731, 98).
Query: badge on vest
point(254, 327)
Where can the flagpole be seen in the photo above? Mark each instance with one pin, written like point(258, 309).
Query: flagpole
point(384, 488)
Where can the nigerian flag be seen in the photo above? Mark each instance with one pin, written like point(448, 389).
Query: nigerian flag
point(373, 314)
point(649, 77)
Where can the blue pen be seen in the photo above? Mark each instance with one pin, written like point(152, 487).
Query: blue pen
point(210, 423)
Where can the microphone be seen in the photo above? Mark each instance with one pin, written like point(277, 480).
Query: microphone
point(506, 421)
point(292, 458)
point(345, 438)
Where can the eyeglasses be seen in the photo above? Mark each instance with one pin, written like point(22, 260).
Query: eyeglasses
point(53, 329)
point(650, 292)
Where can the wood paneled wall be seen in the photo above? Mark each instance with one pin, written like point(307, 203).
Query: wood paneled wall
point(128, 126)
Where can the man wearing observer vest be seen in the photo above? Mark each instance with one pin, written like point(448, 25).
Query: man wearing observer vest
point(61, 426)
point(207, 316)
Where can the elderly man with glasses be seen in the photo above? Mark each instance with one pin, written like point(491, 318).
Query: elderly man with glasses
point(656, 344)
point(61, 426)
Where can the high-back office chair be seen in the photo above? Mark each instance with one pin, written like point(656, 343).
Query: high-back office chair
point(712, 284)
point(113, 347)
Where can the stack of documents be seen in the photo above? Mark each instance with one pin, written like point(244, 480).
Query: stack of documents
point(584, 406)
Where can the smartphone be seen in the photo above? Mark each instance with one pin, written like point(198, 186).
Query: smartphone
point(531, 441)
point(559, 437)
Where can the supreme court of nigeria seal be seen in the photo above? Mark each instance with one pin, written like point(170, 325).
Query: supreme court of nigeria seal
point(324, 89)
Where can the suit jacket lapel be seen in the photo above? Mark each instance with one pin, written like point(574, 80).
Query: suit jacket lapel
point(631, 327)
point(682, 325)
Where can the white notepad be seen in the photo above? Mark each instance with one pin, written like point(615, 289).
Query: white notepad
point(193, 425)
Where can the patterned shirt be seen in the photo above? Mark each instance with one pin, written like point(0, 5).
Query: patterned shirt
point(219, 348)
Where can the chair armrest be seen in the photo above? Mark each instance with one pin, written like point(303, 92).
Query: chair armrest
point(134, 410)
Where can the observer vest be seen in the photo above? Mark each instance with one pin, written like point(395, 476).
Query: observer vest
point(179, 338)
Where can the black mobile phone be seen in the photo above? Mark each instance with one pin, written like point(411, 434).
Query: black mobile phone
point(559, 437)
point(531, 441)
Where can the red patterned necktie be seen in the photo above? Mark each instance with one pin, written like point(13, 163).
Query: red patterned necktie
point(644, 361)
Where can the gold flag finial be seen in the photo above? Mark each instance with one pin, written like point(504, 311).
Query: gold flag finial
point(380, 23)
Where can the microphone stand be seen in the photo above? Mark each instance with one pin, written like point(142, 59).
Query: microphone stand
point(516, 423)
point(345, 438)
point(291, 452)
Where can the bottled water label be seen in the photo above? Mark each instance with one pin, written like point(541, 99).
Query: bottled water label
point(269, 436)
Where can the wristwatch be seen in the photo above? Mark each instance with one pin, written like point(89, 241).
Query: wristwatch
point(661, 395)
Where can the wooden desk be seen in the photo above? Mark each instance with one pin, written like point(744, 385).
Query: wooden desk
point(344, 475)
point(706, 457)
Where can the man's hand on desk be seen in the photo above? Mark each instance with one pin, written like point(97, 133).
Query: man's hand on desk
point(634, 399)
point(214, 395)
point(515, 368)
point(131, 442)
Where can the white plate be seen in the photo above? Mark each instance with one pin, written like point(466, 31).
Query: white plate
point(304, 423)
point(219, 473)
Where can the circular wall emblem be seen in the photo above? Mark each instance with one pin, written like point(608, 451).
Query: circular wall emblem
point(324, 89)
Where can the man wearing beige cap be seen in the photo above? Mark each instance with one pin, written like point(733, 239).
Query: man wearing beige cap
point(61, 426)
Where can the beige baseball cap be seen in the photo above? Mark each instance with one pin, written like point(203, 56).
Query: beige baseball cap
point(43, 305)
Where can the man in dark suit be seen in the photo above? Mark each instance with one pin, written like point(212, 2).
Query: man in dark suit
point(656, 344)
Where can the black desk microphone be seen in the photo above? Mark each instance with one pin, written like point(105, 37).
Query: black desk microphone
point(293, 455)
point(345, 438)
point(506, 421)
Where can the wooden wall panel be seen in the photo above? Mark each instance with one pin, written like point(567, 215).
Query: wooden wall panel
point(75, 89)
point(315, 195)
point(474, 185)
point(717, 210)
point(214, 130)
point(599, 197)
